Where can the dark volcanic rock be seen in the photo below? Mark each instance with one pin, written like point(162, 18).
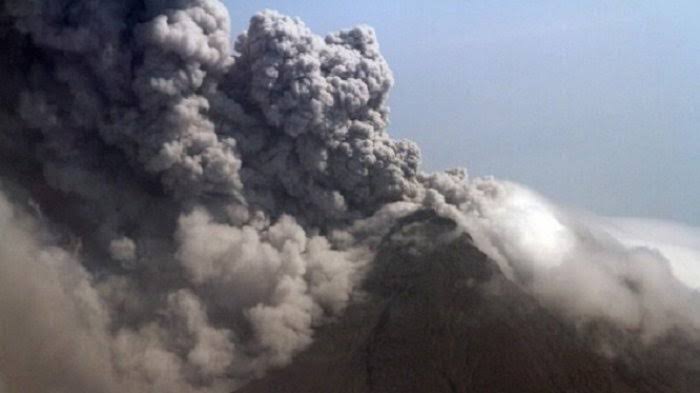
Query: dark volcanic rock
point(441, 317)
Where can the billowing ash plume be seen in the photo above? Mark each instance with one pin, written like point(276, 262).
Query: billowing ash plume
point(189, 202)
point(179, 213)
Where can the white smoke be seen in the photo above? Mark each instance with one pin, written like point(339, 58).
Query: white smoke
point(587, 267)
point(679, 243)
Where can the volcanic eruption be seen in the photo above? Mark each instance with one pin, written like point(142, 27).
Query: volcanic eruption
point(180, 213)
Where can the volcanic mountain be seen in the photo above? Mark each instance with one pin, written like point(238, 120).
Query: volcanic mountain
point(439, 316)
point(182, 211)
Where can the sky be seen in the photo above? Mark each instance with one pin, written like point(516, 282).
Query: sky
point(595, 104)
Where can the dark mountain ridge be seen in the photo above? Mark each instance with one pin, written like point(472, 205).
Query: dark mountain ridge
point(439, 316)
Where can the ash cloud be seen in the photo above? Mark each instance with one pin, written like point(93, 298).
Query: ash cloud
point(180, 212)
point(208, 202)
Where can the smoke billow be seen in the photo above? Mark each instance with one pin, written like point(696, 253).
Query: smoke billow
point(580, 265)
point(179, 213)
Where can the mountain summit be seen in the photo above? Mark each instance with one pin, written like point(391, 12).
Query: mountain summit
point(439, 316)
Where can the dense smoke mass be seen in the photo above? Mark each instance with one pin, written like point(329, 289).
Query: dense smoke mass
point(183, 211)
point(179, 212)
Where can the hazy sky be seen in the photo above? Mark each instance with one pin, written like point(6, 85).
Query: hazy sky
point(596, 104)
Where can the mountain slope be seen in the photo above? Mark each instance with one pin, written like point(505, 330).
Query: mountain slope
point(442, 318)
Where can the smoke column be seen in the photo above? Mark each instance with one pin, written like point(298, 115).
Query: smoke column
point(179, 213)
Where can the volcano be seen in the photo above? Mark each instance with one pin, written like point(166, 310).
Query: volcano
point(183, 212)
point(439, 316)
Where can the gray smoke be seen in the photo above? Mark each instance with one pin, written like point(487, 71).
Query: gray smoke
point(179, 216)
point(179, 213)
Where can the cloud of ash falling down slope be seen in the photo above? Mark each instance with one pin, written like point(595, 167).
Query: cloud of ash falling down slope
point(179, 215)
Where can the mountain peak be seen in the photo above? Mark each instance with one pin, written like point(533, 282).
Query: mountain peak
point(439, 316)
